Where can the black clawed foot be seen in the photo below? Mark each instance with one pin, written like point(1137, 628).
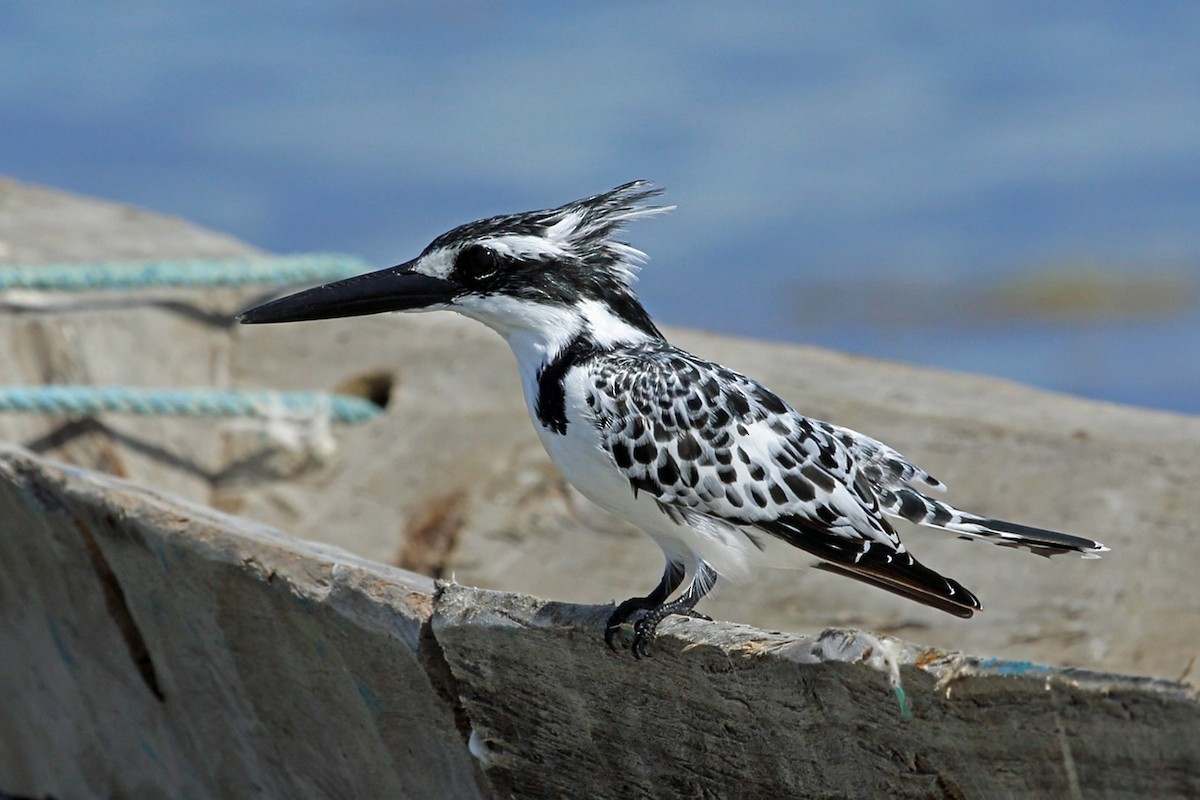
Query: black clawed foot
point(645, 629)
point(656, 608)
point(671, 578)
point(622, 615)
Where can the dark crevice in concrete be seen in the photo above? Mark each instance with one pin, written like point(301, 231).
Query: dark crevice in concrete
point(62, 435)
point(375, 386)
point(257, 468)
point(118, 609)
point(69, 432)
point(432, 659)
point(46, 501)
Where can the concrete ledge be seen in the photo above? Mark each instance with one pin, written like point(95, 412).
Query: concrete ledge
point(153, 648)
point(156, 649)
point(725, 710)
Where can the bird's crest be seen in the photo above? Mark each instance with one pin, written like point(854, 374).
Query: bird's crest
point(581, 233)
point(587, 227)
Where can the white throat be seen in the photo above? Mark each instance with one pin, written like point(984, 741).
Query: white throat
point(538, 332)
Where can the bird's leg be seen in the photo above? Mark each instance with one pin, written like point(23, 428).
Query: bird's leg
point(684, 606)
point(671, 578)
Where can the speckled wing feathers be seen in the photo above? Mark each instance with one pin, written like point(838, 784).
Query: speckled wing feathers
point(883, 466)
point(705, 440)
point(696, 435)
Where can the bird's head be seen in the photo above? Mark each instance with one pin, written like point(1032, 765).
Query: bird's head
point(556, 267)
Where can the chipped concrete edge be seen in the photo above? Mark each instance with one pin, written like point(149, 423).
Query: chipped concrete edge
point(456, 605)
point(425, 617)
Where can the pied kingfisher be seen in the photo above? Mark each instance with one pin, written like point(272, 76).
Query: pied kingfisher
point(716, 468)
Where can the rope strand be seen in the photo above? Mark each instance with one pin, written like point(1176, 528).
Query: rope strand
point(199, 273)
point(82, 401)
point(294, 418)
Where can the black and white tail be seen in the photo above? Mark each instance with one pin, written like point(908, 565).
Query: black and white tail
point(877, 563)
point(891, 476)
point(907, 503)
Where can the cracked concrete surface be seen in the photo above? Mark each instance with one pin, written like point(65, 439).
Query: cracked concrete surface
point(237, 661)
point(240, 662)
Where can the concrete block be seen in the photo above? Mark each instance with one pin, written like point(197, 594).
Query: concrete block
point(153, 648)
point(723, 710)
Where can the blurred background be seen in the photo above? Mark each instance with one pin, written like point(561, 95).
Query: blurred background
point(1011, 189)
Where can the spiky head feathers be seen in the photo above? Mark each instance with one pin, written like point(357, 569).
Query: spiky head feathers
point(558, 255)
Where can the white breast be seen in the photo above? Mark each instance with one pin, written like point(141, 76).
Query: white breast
point(580, 457)
point(578, 454)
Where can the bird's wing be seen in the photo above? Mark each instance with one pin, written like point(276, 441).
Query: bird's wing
point(882, 466)
point(705, 440)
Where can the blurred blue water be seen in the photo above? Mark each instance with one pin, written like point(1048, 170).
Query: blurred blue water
point(853, 145)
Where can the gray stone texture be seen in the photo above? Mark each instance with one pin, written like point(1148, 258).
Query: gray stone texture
point(155, 648)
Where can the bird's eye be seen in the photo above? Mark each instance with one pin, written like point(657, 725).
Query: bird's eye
point(476, 263)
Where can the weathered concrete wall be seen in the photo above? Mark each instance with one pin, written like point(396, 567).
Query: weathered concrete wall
point(156, 649)
point(450, 480)
point(153, 648)
point(725, 710)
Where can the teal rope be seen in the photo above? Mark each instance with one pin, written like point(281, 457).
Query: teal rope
point(88, 400)
point(79, 401)
point(280, 270)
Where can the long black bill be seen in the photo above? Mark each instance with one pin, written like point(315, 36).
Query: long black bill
point(393, 289)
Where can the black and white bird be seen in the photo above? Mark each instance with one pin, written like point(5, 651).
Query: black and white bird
point(712, 465)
